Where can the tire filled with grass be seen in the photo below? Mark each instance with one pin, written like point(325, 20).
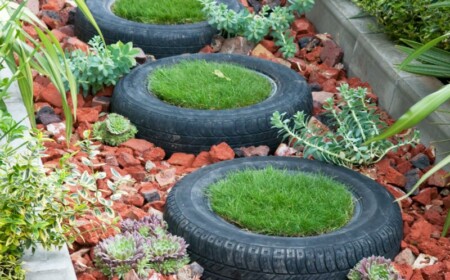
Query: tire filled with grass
point(230, 100)
point(282, 218)
point(160, 28)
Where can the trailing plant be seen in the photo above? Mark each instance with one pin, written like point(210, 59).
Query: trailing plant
point(42, 55)
point(102, 65)
point(374, 268)
point(268, 22)
point(411, 19)
point(114, 130)
point(117, 255)
point(166, 253)
point(354, 121)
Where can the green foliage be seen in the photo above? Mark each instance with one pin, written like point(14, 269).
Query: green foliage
point(114, 130)
point(374, 268)
point(411, 19)
point(102, 66)
point(159, 12)
point(11, 269)
point(205, 85)
point(355, 122)
point(282, 203)
point(255, 27)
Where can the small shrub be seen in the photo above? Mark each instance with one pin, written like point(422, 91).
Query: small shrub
point(354, 121)
point(103, 65)
point(273, 22)
point(114, 130)
point(374, 268)
point(410, 19)
point(117, 255)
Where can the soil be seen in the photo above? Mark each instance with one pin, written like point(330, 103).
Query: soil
point(424, 255)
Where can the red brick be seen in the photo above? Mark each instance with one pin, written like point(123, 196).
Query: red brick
point(181, 159)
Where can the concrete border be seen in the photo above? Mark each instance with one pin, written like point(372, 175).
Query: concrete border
point(371, 56)
point(42, 265)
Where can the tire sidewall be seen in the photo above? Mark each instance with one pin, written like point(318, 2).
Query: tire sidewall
point(376, 221)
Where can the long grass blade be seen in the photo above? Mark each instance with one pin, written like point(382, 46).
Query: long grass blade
point(440, 4)
point(428, 70)
point(416, 113)
point(423, 49)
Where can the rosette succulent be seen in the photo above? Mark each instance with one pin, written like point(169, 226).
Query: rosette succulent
point(114, 130)
point(118, 255)
point(374, 268)
point(166, 253)
point(149, 226)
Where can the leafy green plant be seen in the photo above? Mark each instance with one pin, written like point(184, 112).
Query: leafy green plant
point(255, 27)
point(117, 255)
point(103, 65)
point(114, 130)
point(374, 268)
point(42, 56)
point(355, 122)
point(415, 20)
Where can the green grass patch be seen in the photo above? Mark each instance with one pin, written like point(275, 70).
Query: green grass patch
point(281, 203)
point(159, 12)
point(199, 84)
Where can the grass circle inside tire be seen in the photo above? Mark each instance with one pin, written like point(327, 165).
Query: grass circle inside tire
point(186, 130)
point(228, 252)
point(156, 39)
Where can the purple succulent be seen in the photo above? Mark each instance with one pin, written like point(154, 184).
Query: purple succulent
point(147, 226)
point(374, 268)
point(119, 254)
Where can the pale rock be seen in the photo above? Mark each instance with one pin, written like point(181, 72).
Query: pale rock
point(424, 260)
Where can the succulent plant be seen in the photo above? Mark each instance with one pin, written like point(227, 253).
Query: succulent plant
point(114, 130)
point(117, 255)
point(166, 253)
point(374, 268)
point(149, 226)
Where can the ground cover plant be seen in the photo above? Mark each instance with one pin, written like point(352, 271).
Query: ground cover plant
point(159, 12)
point(199, 84)
point(275, 202)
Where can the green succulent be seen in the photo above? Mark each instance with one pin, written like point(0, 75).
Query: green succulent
point(166, 253)
point(114, 130)
point(374, 268)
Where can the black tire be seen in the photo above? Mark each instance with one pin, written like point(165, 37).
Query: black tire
point(227, 252)
point(158, 40)
point(178, 129)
